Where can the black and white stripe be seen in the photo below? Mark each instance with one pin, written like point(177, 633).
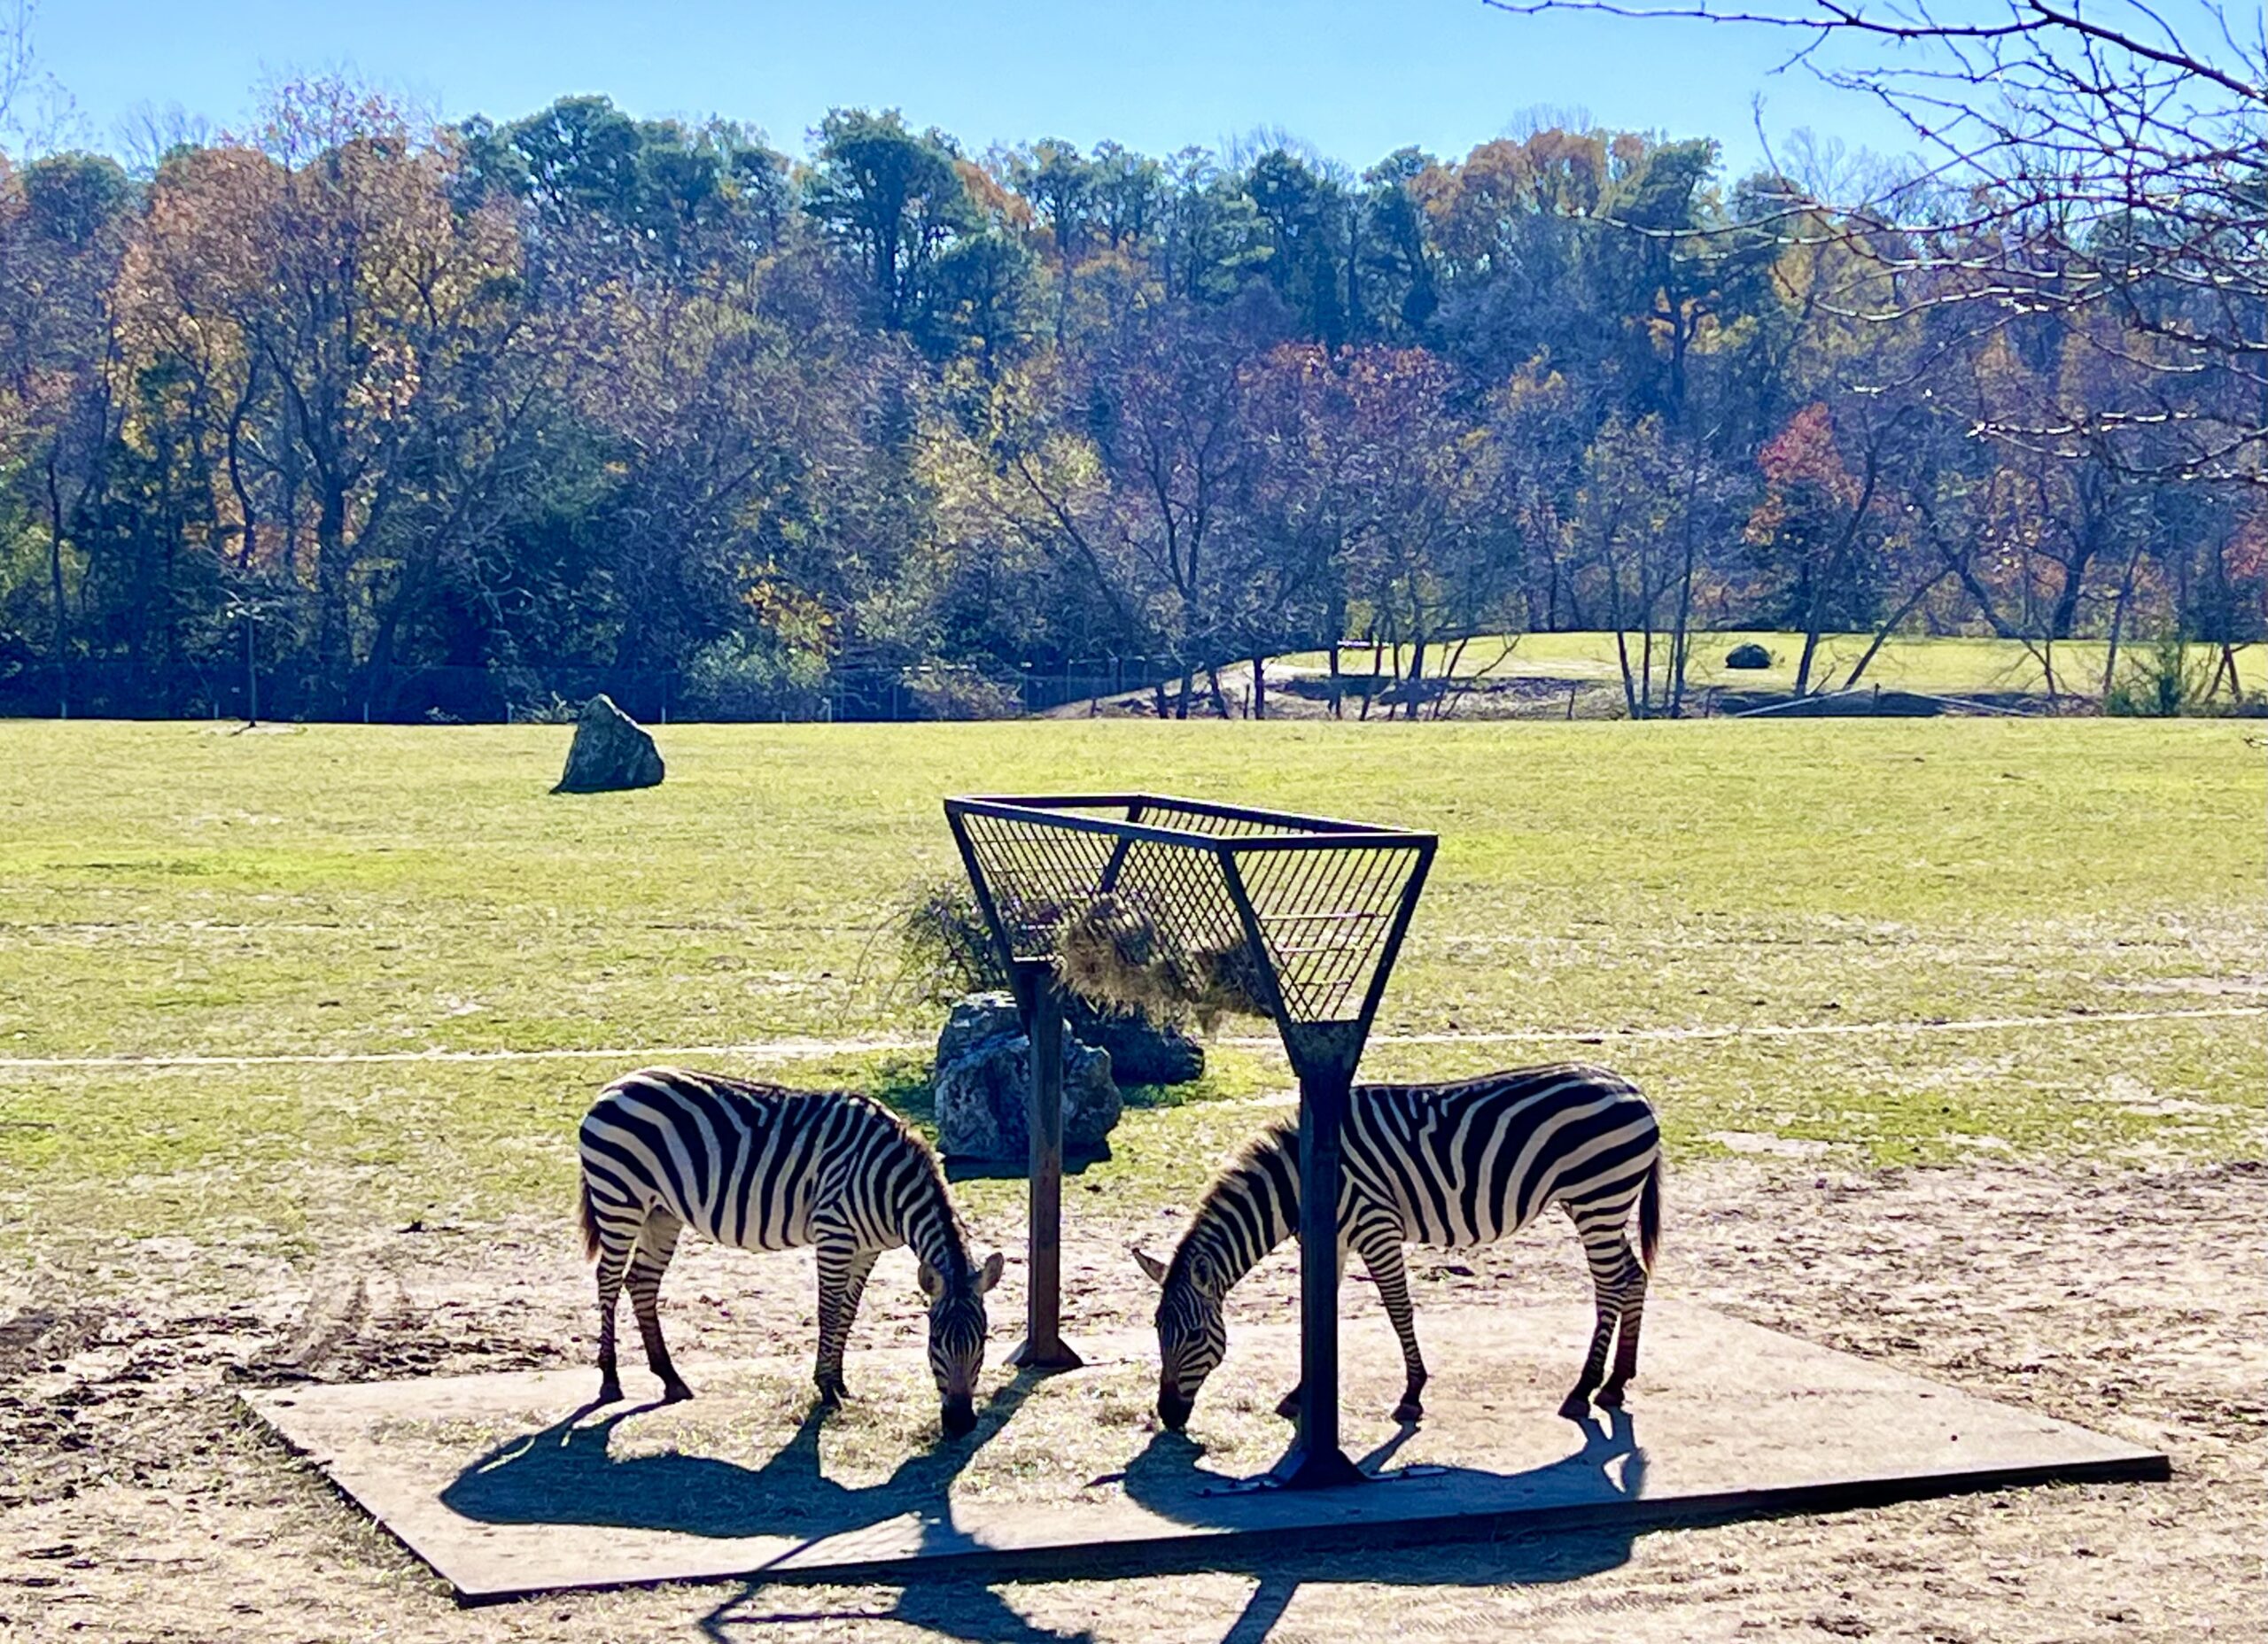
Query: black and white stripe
point(762, 1167)
point(1460, 1164)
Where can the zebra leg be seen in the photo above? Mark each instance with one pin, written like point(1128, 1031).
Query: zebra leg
point(1625, 1339)
point(843, 1271)
point(614, 1261)
point(656, 1243)
point(1611, 1265)
point(1383, 1257)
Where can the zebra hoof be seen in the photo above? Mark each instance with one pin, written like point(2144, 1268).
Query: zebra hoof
point(610, 1391)
point(1288, 1405)
point(1577, 1404)
point(1409, 1412)
point(1609, 1397)
point(675, 1392)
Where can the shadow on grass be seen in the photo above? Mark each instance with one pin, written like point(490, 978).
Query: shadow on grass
point(1168, 1479)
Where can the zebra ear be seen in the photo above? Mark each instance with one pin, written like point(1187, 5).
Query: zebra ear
point(1150, 1265)
point(989, 1275)
point(932, 1286)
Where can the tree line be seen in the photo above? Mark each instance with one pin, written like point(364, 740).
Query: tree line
point(321, 417)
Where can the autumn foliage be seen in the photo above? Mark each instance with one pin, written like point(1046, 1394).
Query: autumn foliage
point(341, 415)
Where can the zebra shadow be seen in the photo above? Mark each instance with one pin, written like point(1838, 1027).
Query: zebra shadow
point(565, 1475)
point(1608, 1466)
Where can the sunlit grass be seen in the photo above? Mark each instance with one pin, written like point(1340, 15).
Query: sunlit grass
point(166, 890)
point(1951, 666)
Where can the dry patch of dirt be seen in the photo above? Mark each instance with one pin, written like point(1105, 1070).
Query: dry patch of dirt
point(135, 1503)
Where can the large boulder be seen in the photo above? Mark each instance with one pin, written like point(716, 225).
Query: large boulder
point(983, 1085)
point(1141, 1052)
point(1748, 654)
point(611, 750)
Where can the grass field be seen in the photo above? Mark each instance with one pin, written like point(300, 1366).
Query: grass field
point(1621, 892)
point(1948, 667)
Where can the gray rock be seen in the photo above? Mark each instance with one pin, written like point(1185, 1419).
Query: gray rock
point(1141, 1052)
point(973, 1019)
point(982, 1084)
point(1748, 654)
point(611, 750)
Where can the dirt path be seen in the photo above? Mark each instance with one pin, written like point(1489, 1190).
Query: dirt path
point(135, 1505)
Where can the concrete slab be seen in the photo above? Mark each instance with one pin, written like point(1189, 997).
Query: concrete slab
point(507, 1487)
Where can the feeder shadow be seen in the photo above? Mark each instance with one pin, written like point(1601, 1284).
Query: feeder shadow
point(1608, 1466)
point(1166, 1478)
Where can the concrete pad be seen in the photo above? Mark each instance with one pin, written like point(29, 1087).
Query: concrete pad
point(507, 1487)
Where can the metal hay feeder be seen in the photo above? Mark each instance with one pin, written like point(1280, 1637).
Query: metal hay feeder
point(1314, 908)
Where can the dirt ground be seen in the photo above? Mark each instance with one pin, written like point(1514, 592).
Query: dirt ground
point(137, 1503)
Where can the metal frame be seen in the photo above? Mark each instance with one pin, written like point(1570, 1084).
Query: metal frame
point(1324, 1041)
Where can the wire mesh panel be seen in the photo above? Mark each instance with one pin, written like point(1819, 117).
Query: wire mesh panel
point(1224, 908)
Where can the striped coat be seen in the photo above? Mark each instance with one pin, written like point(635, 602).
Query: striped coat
point(1455, 1165)
point(763, 1168)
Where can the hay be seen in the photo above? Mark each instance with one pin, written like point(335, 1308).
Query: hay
point(1110, 955)
point(1230, 984)
point(1113, 955)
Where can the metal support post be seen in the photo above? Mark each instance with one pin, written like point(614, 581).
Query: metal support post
point(1043, 1347)
point(1326, 1077)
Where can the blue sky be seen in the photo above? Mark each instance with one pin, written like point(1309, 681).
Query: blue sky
point(1355, 79)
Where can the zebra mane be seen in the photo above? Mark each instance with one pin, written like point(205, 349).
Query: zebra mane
point(1233, 1182)
point(932, 1175)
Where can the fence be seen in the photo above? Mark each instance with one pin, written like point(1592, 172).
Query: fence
point(494, 695)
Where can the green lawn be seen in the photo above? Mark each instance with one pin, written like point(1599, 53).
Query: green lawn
point(1950, 667)
point(173, 888)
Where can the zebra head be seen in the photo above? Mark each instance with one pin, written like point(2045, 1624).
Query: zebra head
point(1193, 1333)
point(957, 1327)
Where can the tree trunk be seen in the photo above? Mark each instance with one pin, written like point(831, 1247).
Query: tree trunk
point(1681, 636)
point(1811, 633)
point(1811, 647)
point(1615, 615)
point(1259, 688)
point(55, 589)
point(2118, 616)
point(330, 594)
point(1882, 633)
point(2065, 614)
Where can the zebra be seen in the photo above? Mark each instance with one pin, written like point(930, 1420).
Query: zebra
point(1461, 1164)
point(758, 1166)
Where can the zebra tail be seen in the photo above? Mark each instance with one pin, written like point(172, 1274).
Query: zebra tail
point(589, 1217)
point(1650, 1214)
